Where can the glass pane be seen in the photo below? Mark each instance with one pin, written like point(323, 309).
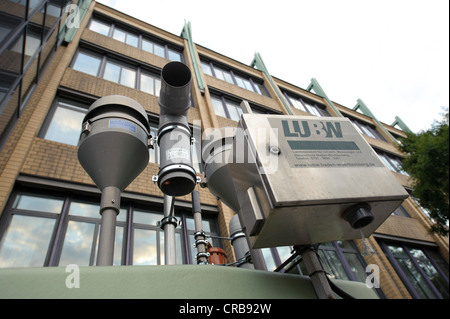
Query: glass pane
point(77, 247)
point(332, 265)
point(174, 56)
point(439, 283)
point(208, 225)
point(119, 35)
point(112, 72)
point(39, 203)
point(178, 251)
point(206, 68)
point(118, 243)
point(415, 278)
point(132, 40)
point(218, 106)
point(128, 77)
point(159, 50)
point(146, 217)
point(87, 63)
point(157, 86)
point(240, 82)
point(249, 86)
point(234, 110)
point(65, 125)
point(99, 27)
point(147, 84)
point(85, 209)
point(26, 241)
point(33, 42)
point(268, 258)
point(356, 266)
point(144, 247)
point(147, 45)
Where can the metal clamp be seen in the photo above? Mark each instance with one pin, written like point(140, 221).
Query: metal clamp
point(168, 220)
point(201, 241)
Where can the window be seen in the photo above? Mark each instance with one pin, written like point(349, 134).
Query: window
point(150, 83)
point(422, 270)
point(302, 104)
point(117, 71)
point(392, 162)
point(126, 37)
point(120, 73)
point(65, 123)
point(144, 42)
point(87, 62)
point(367, 129)
point(40, 230)
point(233, 77)
point(231, 109)
point(226, 108)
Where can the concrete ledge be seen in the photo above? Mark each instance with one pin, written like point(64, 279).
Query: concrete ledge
point(163, 282)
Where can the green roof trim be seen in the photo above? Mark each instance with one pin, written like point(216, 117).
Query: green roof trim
point(398, 121)
point(314, 85)
point(260, 65)
point(73, 21)
point(366, 111)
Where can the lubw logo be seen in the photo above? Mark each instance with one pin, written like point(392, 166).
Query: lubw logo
point(304, 129)
point(316, 135)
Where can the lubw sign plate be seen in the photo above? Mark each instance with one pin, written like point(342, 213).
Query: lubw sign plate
point(311, 170)
point(322, 142)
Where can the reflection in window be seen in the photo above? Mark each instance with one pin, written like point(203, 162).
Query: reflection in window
point(26, 241)
point(65, 124)
point(87, 63)
point(419, 270)
point(39, 230)
point(120, 74)
point(134, 39)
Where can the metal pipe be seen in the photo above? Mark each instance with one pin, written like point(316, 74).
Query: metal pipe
point(168, 224)
point(176, 176)
point(109, 209)
point(239, 242)
point(316, 273)
point(200, 237)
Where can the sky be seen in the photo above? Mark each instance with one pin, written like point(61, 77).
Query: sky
point(392, 54)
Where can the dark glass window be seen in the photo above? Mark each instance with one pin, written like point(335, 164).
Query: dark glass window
point(423, 271)
point(144, 42)
point(40, 230)
point(233, 77)
point(305, 105)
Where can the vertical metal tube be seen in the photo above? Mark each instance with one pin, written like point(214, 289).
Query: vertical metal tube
point(239, 242)
point(168, 224)
point(109, 209)
point(200, 239)
point(317, 274)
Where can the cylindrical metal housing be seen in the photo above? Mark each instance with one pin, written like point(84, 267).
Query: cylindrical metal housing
point(176, 175)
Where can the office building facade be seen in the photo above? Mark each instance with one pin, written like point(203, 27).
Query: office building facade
point(59, 56)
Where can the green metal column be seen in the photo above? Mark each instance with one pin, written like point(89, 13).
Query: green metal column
point(186, 33)
point(314, 85)
point(398, 121)
point(366, 111)
point(73, 21)
point(259, 63)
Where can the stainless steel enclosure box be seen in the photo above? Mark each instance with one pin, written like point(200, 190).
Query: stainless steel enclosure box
point(296, 177)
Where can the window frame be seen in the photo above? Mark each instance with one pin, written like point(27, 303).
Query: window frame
point(168, 48)
point(305, 105)
point(230, 76)
point(129, 205)
point(404, 277)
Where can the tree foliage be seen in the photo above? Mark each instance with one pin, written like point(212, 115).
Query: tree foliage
point(427, 162)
